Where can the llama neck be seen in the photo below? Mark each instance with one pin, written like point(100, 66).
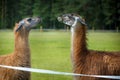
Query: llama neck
point(21, 46)
point(79, 47)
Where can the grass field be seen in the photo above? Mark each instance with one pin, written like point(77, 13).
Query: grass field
point(51, 50)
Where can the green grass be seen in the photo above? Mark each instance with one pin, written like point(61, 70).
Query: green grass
point(51, 50)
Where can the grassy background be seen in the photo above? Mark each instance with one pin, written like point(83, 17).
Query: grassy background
point(51, 50)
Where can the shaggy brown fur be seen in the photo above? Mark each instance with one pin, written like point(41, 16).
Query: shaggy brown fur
point(20, 57)
point(92, 62)
point(88, 61)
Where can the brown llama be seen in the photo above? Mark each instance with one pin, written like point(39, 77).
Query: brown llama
point(21, 55)
point(89, 61)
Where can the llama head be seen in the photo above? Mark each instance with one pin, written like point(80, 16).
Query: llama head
point(71, 19)
point(27, 24)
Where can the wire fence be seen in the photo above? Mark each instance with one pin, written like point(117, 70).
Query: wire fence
point(64, 30)
point(43, 71)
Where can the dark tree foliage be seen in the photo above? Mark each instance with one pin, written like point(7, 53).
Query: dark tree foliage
point(99, 14)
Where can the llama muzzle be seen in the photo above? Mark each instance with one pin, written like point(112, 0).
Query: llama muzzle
point(59, 19)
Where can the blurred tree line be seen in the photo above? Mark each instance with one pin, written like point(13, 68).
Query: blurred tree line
point(99, 14)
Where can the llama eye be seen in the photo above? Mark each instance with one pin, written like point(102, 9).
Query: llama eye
point(29, 20)
point(71, 17)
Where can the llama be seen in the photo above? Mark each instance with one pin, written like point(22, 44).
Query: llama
point(21, 55)
point(89, 61)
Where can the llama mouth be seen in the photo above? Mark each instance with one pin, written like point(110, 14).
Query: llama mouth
point(39, 20)
point(59, 19)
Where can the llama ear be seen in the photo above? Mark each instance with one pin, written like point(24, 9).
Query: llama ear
point(82, 22)
point(20, 25)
